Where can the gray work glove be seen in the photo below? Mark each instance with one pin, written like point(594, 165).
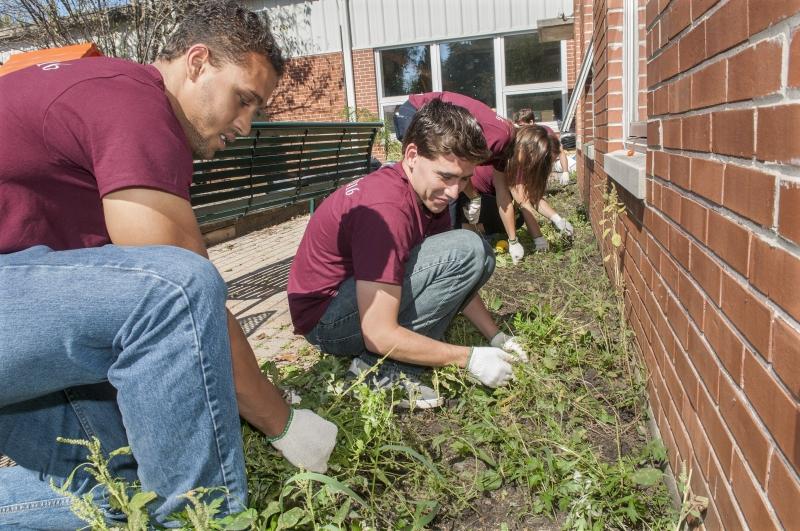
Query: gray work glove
point(563, 178)
point(516, 250)
point(541, 244)
point(490, 365)
point(472, 210)
point(510, 345)
point(564, 226)
point(307, 441)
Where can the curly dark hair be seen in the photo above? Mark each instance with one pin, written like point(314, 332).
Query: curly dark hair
point(441, 128)
point(229, 30)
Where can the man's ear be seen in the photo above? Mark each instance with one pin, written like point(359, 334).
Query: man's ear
point(197, 57)
point(410, 154)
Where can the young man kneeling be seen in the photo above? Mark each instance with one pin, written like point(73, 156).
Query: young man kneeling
point(378, 273)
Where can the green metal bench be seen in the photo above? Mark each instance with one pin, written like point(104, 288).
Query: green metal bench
point(280, 163)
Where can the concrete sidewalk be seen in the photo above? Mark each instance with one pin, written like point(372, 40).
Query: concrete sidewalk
point(256, 268)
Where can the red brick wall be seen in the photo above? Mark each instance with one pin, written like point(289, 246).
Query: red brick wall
point(711, 257)
point(364, 78)
point(311, 89)
point(366, 89)
point(571, 66)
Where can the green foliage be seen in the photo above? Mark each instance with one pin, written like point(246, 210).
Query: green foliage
point(565, 441)
point(386, 139)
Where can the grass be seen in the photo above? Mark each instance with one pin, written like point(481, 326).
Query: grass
point(564, 446)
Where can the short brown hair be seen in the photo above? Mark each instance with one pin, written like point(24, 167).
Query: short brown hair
point(441, 128)
point(524, 116)
point(531, 161)
point(229, 30)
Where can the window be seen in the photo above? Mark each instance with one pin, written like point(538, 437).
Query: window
point(534, 77)
point(546, 105)
point(529, 61)
point(506, 72)
point(634, 107)
point(406, 70)
point(468, 68)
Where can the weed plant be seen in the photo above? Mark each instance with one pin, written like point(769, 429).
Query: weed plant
point(564, 446)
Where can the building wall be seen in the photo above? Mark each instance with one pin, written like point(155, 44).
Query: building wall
point(364, 78)
point(711, 255)
point(311, 89)
point(382, 23)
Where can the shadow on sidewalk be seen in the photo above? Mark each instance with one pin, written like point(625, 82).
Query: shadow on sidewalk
point(262, 283)
point(256, 287)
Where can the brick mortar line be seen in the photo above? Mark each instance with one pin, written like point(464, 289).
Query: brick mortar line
point(740, 395)
point(777, 310)
point(787, 172)
point(767, 235)
point(781, 29)
point(756, 104)
point(721, 313)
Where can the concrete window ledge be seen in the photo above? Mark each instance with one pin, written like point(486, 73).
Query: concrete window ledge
point(627, 171)
point(588, 150)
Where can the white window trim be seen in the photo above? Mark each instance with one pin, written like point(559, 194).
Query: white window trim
point(529, 88)
point(501, 89)
point(633, 128)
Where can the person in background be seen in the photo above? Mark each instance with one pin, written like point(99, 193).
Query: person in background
point(516, 171)
point(560, 164)
point(112, 319)
point(380, 274)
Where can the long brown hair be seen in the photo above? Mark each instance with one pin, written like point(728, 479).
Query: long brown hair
point(531, 161)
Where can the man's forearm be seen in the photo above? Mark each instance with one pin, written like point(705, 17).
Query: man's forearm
point(260, 402)
point(401, 344)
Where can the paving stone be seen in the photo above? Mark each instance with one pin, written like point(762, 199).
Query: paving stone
point(256, 269)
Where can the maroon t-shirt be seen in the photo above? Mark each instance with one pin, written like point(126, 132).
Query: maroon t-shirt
point(364, 230)
point(497, 130)
point(483, 179)
point(72, 132)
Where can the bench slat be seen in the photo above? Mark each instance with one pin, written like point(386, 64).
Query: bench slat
point(280, 163)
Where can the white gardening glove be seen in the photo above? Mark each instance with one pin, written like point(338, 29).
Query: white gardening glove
point(563, 179)
point(516, 250)
point(490, 365)
point(472, 210)
point(510, 345)
point(564, 226)
point(307, 441)
point(541, 244)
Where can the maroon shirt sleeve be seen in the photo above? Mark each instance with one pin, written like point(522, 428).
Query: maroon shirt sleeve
point(143, 144)
point(381, 238)
point(483, 179)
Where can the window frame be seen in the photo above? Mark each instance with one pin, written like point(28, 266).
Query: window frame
point(634, 127)
point(501, 89)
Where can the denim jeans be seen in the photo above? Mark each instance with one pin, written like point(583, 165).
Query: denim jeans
point(127, 344)
point(441, 276)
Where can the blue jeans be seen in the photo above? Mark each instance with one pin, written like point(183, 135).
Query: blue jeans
point(127, 344)
point(442, 275)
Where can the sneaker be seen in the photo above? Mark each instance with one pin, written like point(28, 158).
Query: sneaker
point(419, 394)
